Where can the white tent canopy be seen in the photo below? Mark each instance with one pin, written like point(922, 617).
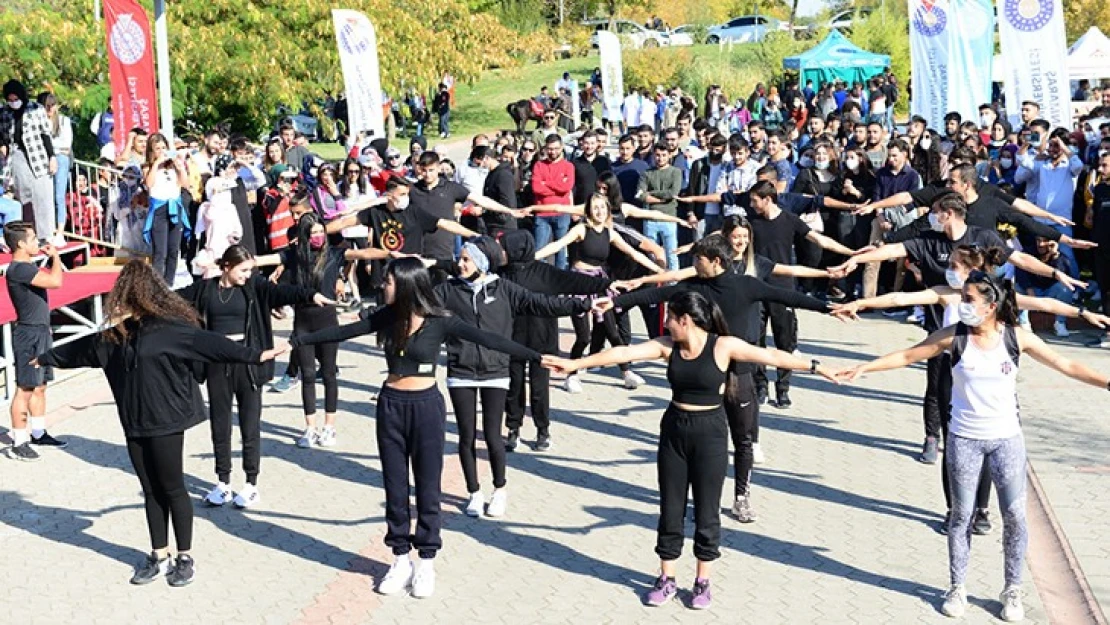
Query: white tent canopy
point(1089, 56)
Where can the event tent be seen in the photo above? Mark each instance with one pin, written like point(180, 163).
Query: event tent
point(836, 58)
point(1089, 56)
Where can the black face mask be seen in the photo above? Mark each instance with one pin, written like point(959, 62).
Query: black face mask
point(473, 276)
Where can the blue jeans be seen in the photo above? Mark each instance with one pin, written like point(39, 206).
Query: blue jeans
point(1057, 292)
point(1066, 249)
point(546, 227)
point(61, 184)
point(10, 210)
point(664, 233)
point(445, 123)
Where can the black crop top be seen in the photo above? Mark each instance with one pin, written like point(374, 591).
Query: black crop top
point(227, 312)
point(698, 381)
point(418, 357)
point(594, 248)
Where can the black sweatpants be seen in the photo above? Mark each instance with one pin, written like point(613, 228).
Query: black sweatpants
point(410, 428)
point(538, 394)
point(306, 320)
point(227, 382)
point(944, 400)
point(158, 463)
point(165, 244)
point(931, 412)
point(693, 455)
point(465, 402)
point(588, 331)
point(784, 327)
point(742, 409)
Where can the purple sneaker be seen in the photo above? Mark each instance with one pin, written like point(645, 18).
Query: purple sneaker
point(702, 598)
point(665, 590)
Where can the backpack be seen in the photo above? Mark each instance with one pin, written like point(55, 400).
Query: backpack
point(959, 343)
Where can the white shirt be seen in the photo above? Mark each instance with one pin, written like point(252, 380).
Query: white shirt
point(984, 393)
point(632, 109)
point(64, 139)
point(715, 171)
point(165, 185)
point(647, 112)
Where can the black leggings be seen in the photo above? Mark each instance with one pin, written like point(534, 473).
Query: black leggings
point(537, 394)
point(742, 409)
point(465, 403)
point(308, 320)
point(158, 463)
point(944, 401)
point(227, 382)
point(585, 337)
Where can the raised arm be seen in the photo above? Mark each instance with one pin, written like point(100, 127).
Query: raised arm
point(578, 209)
point(742, 351)
point(933, 345)
point(1035, 347)
point(454, 227)
point(576, 233)
point(493, 205)
point(829, 244)
point(898, 199)
point(53, 279)
point(898, 299)
point(380, 319)
point(790, 298)
point(616, 241)
point(798, 271)
point(89, 351)
point(879, 254)
point(525, 302)
point(1056, 307)
point(466, 332)
point(1021, 260)
point(652, 215)
point(677, 275)
point(657, 349)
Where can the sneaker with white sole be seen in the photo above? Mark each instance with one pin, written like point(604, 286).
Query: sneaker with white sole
point(572, 384)
point(1060, 329)
point(399, 577)
point(328, 437)
point(917, 316)
point(1012, 609)
point(219, 495)
point(632, 381)
point(424, 579)
point(757, 454)
point(498, 502)
point(309, 439)
point(476, 504)
point(247, 496)
point(955, 602)
point(284, 384)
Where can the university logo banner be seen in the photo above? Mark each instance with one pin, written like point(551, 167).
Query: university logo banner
point(358, 57)
point(130, 69)
point(950, 54)
point(1035, 48)
point(612, 72)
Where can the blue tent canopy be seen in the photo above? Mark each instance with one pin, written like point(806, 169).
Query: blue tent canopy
point(836, 58)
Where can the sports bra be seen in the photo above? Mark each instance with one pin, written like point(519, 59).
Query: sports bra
point(594, 248)
point(697, 381)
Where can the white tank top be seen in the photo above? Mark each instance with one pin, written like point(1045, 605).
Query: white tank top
point(984, 393)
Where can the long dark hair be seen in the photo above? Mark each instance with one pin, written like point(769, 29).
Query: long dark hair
point(310, 262)
point(413, 294)
point(996, 291)
point(735, 222)
point(702, 311)
point(612, 190)
point(234, 256)
point(141, 293)
point(360, 182)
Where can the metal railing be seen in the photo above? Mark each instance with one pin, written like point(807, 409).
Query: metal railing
point(92, 209)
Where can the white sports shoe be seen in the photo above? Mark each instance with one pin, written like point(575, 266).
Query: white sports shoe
point(632, 381)
point(424, 579)
point(247, 496)
point(498, 502)
point(1012, 609)
point(476, 504)
point(399, 577)
point(1061, 329)
point(309, 439)
point(572, 384)
point(757, 454)
point(955, 602)
point(219, 495)
point(327, 437)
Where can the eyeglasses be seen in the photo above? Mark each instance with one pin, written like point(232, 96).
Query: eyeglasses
point(527, 149)
point(550, 118)
point(393, 156)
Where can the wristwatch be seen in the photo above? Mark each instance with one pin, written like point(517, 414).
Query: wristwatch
point(814, 363)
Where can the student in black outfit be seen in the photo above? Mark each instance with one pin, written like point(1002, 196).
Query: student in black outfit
point(147, 357)
point(741, 298)
point(31, 336)
point(480, 298)
point(539, 333)
point(411, 413)
point(238, 305)
point(693, 437)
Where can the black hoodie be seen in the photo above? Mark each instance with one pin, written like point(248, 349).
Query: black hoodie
point(541, 333)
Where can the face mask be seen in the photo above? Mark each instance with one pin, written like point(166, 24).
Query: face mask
point(934, 223)
point(985, 121)
point(926, 141)
point(821, 164)
point(16, 105)
point(317, 241)
point(968, 315)
point(1006, 163)
point(852, 164)
point(805, 161)
point(402, 203)
point(953, 278)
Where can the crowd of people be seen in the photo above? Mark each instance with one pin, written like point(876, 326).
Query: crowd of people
point(712, 227)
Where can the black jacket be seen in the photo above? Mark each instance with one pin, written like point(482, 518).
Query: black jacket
point(699, 185)
point(541, 333)
point(586, 174)
point(262, 298)
point(492, 305)
point(151, 372)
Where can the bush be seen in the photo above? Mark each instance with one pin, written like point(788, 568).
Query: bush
point(645, 69)
point(736, 77)
point(884, 32)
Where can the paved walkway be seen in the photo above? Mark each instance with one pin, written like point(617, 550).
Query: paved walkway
point(846, 529)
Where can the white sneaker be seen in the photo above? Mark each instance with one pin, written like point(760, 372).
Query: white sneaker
point(219, 495)
point(309, 439)
point(247, 496)
point(1012, 609)
point(631, 380)
point(1060, 327)
point(476, 504)
point(572, 384)
point(917, 316)
point(399, 577)
point(327, 437)
point(757, 454)
point(955, 602)
point(58, 240)
point(424, 579)
point(498, 502)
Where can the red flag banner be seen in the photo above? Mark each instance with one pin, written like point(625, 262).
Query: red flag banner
point(131, 67)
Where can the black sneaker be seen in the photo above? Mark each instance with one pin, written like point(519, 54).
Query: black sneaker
point(761, 396)
point(183, 571)
point(23, 452)
point(543, 442)
point(782, 399)
point(46, 440)
point(943, 529)
point(151, 569)
point(513, 440)
point(981, 524)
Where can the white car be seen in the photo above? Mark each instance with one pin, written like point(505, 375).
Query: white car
point(631, 34)
point(845, 19)
point(682, 36)
point(745, 29)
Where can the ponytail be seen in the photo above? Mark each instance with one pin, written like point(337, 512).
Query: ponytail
point(704, 313)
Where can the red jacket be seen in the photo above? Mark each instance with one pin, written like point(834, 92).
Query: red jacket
point(552, 183)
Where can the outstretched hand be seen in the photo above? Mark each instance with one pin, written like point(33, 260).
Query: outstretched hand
point(558, 364)
point(280, 347)
point(627, 285)
point(848, 375)
point(602, 305)
point(845, 312)
point(320, 300)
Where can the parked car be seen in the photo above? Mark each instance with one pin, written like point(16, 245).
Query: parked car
point(683, 35)
point(845, 19)
point(632, 34)
point(303, 122)
point(745, 29)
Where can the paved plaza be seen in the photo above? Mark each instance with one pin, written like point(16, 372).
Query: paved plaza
point(846, 530)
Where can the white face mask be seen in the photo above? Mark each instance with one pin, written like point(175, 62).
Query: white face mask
point(402, 203)
point(953, 278)
point(985, 121)
point(821, 164)
point(852, 163)
point(968, 315)
point(1006, 163)
point(805, 161)
point(15, 105)
point(934, 223)
point(926, 141)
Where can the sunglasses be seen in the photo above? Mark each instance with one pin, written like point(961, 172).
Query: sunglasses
point(354, 171)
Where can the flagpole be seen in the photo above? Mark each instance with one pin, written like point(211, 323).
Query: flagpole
point(162, 51)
